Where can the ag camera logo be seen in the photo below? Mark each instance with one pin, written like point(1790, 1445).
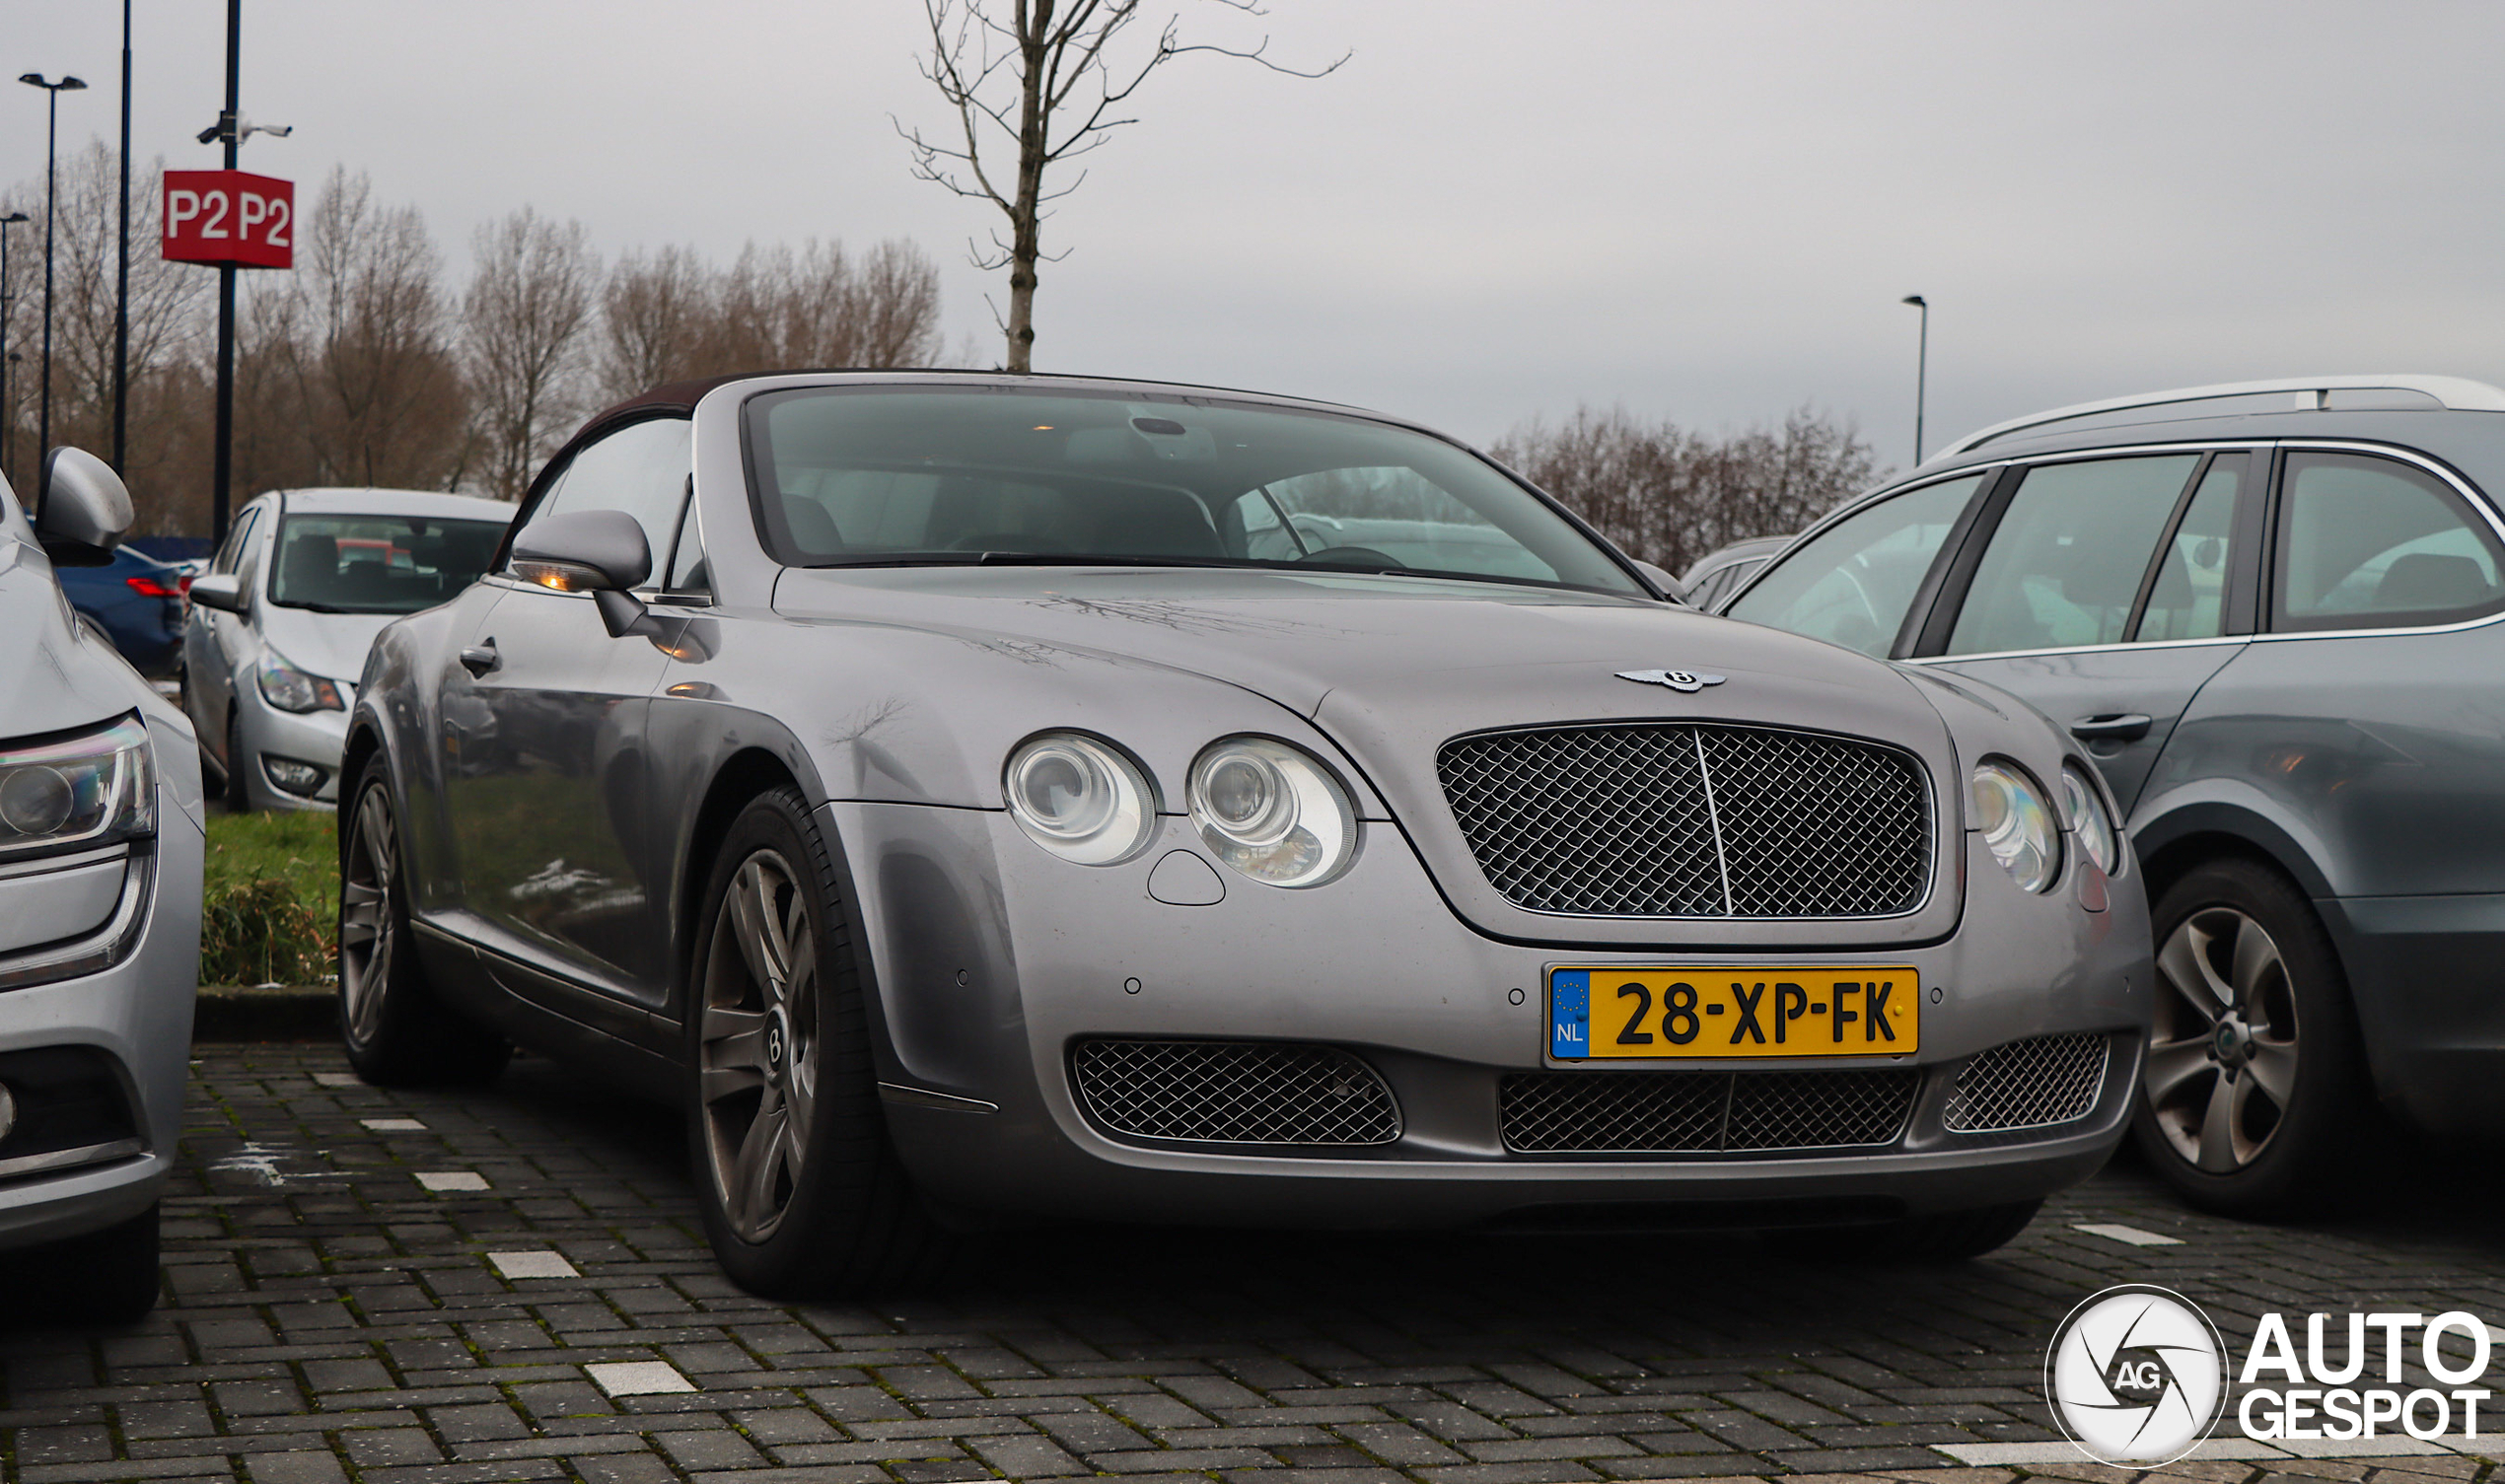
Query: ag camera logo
point(2137, 1374)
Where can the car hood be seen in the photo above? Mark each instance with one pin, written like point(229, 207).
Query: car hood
point(330, 645)
point(56, 674)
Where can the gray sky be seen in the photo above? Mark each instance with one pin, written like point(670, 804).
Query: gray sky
point(1702, 211)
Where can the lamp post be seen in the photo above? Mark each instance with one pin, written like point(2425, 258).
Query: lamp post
point(1922, 371)
point(8, 409)
point(122, 280)
point(52, 189)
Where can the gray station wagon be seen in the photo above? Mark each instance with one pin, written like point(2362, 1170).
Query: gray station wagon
point(2275, 612)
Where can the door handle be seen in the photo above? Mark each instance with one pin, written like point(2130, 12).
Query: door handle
point(2110, 727)
point(480, 659)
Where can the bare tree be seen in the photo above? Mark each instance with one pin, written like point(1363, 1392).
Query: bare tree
point(653, 312)
point(524, 320)
point(673, 316)
point(1669, 496)
point(1053, 77)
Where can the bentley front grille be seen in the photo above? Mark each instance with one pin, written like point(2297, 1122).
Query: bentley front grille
point(1266, 1093)
point(2036, 1083)
point(1678, 819)
point(1703, 1113)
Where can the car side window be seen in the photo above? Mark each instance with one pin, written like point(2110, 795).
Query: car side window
point(2368, 542)
point(2064, 564)
point(2187, 593)
point(1851, 584)
point(232, 552)
point(641, 469)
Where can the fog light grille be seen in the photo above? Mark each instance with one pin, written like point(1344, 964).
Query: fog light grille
point(2031, 1083)
point(1703, 1113)
point(1233, 1093)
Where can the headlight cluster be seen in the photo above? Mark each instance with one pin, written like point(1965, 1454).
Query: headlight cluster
point(2083, 812)
point(2018, 826)
point(92, 790)
point(288, 688)
point(1266, 810)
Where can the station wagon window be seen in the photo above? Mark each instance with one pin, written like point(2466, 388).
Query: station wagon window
point(2187, 593)
point(2065, 562)
point(2368, 542)
point(641, 469)
point(1851, 584)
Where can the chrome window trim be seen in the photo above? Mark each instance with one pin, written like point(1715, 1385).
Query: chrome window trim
point(2089, 649)
point(99, 950)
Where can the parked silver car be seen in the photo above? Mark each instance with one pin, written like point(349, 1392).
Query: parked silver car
point(2275, 612)
point(280, 622)
point(979, 798)
point(100, 921)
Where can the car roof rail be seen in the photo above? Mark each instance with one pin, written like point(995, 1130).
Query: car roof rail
point(2308, 395)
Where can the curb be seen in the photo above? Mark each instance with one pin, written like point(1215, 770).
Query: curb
point(265, 1013)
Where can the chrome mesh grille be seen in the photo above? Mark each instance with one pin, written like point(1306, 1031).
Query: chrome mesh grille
point(1233, 1093)
point(1703, 1113)
point(1691, 820)
point(2031, 1083)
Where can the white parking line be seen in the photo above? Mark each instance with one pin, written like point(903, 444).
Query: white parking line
point(441, 1180)
point(394, 1125)
point(337, 1080)
point(638, 1378)
point(533, 1266)
point(2130, 1235)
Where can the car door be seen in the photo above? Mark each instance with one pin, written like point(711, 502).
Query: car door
point(214, 642)
point(547, 807)
point(2104, 591)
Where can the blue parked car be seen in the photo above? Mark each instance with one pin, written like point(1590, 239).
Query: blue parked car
point(138, 601)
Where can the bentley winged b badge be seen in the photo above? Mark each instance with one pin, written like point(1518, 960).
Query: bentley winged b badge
point(1686, 681)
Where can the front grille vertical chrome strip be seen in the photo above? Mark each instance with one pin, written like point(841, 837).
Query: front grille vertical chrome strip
point(1713, 817)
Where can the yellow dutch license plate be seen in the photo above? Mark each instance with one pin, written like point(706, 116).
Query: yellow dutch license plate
point(1853, 1010)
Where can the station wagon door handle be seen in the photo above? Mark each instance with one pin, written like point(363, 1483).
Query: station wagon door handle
point(2114, 727)
point(480, 659)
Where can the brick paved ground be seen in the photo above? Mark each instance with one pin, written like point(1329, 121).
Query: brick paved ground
point(331, 1317)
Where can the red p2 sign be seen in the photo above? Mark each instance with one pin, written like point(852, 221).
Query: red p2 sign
point(226, 216)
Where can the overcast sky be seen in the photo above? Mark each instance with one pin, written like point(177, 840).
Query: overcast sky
point(1702, 211)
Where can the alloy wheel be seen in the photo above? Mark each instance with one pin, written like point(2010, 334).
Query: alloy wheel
point(367, 938)
point(2222, 1057)
point(757, 1045)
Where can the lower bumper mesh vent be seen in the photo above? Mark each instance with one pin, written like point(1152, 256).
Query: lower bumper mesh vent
point(1703, 1113)
point(1233, 1093)
point(2040, 1081)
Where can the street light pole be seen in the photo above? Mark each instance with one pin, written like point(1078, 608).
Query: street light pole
point(8, 409)
point(51, 190)
point(229, 131)
point(1922, 371)
point(121, 285)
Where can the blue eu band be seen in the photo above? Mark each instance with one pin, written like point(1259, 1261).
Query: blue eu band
point(1570, 1013)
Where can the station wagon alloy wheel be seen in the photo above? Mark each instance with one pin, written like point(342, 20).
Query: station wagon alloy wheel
point(759, 1047)
point(2222, 1060)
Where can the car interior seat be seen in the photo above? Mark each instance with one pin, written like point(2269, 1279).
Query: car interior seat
point(2427, 580)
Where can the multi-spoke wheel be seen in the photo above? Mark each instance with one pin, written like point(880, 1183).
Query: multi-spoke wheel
point(798, 1187)
point(396, 1032)
point(2253, 1083)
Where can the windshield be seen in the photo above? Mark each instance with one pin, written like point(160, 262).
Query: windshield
point(378, 564)
point(983, 474)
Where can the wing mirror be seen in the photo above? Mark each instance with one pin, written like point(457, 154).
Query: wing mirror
point(222, 591)
point(82, 509)
point(602, 552)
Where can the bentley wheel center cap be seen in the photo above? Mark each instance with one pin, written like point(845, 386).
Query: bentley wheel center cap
point(774, 1044)
point(2228, 1044)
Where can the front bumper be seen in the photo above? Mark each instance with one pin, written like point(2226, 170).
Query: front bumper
point(314, 739)
point(983, 992)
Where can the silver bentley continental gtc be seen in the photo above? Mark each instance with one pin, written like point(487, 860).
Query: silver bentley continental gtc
point(982, 798)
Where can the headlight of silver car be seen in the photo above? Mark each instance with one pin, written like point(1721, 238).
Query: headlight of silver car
point(2011, 811)
point(2083, 812)
point(1079, 798)
point(1272, 813)
point(288, 688)
point(93, 789)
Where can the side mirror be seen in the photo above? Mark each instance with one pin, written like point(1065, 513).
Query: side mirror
point(602, 552)
point(222, 591)
point(82, 509)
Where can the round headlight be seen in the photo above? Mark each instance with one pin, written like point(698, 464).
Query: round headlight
point(2083, 812)
point(1272, 813)
point(2017, 824)
point(1079, 798)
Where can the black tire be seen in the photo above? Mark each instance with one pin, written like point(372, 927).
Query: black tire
point(107, 1277)
point(396, 1032)
point(238, 795)
point(800, 1190)
point(2254, 1100)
